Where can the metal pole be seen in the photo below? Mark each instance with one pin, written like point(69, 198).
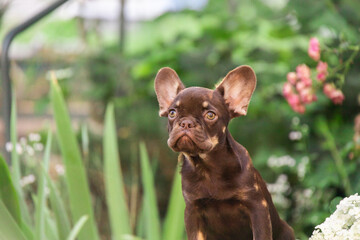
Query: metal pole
point(5, 66)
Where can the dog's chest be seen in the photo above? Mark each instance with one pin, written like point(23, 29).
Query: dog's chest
point(199, 183)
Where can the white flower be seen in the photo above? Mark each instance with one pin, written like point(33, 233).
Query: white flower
point(281, 161)
point(23, 141)
point(277, 190)
point(27, 180)
point(59, 168)
point(19, 149)
point(30, 150)
point(295, 135)
point(301, 168)
point(343, 224)
point(38, 147)
point(34, 137)
point(8, 146)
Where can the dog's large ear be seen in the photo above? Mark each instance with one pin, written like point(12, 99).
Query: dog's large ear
point(167, 86)
point(237, 88)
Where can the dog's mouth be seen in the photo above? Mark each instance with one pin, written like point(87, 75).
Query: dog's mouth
point(189, 142)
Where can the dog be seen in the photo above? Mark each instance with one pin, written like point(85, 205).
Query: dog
point(225, 196)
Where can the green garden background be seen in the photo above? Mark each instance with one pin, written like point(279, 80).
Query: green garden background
point(105, 83)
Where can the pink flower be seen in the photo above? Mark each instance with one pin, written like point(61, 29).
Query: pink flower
point(300, 86)
point(287, 89)
point(335, 95)
point(314, 49)
point(307, 82)
point(295, 103)
point(303, 72)
point(328, 89)
point(291, 77)
point(299, 108)
point(321, 68)
point(321, 77)
point(307, 96)
point(293, 99)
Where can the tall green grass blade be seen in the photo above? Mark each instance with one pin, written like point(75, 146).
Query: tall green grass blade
point(115, 194)
point(140, 224)
point(150, 203)
point(28, 232)
point(85, 140)
point(174, 225)
point(8, 192)
point(51, 231)
point(62, 220)
point(41, 197)
point(49, 226)
point(15, 164)
point(14, 154)
point(77, 184)
point(75, 231)
point(9, 228)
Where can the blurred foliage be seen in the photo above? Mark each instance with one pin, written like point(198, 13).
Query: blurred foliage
point(202, 46)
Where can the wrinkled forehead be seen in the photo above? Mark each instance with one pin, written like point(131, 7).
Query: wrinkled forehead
point(199, 98)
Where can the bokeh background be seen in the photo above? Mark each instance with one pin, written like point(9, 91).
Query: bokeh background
point(111, 50)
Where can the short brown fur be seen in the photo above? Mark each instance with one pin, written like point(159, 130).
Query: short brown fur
point(225, 196)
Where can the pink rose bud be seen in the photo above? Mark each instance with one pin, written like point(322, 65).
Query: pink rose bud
point(337, 97)
point(299, 108)
point(292, 78)
point(306, 95)
point(321, 68)
point(307, 81)
point(328, 89)
point(293, 99)
point(287, 89)
point(321, 77)
point(303, 71)
point(300, 86)
point(314, 49)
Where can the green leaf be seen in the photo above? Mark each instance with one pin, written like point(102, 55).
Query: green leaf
point(51, 231)
point(150, 203)
point(14, 155)
point(8, 193)
point(75, 231)
point(174, 225)
point(57, 205)
point(75, 176)
point(16, 173)
point(41, 197)
point(9, 228)
point(114, 185)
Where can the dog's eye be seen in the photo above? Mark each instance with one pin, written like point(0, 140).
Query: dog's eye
point(210, 115)
point(172, 114)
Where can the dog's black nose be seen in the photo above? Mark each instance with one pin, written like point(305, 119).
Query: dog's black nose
point(186, 123)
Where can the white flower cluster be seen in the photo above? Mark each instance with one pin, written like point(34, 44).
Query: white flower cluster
point(343, 224)
point(288, 161)
point(281, 161)
point(27, 146)
point(278, 189)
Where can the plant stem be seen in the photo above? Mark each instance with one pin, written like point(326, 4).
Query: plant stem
point(329, 138)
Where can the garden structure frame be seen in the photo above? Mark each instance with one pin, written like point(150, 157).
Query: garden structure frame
point(5, 67)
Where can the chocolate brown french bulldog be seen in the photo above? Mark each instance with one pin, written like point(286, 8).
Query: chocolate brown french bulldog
point(226, 198)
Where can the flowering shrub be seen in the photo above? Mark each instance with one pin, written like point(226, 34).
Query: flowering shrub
point(343, 224)
point(300, 89)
